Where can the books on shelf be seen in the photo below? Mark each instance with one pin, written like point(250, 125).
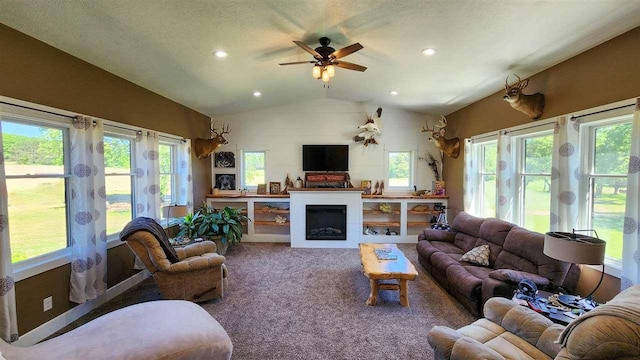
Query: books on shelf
point(385, 254)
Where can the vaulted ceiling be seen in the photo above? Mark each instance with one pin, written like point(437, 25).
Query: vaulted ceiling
point(166, 45)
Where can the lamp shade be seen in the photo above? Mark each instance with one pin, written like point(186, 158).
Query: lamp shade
point(174, 211)
point(574, 248)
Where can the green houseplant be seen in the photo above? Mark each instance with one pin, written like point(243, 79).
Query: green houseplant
point(224, 227)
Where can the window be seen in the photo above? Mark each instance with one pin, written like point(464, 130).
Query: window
point(118, 182)
point(168, 174)
point(400, 169)
point(535, 182)
point(253, 168)
point(607, 162)
point(488, 153)
point(37, 186)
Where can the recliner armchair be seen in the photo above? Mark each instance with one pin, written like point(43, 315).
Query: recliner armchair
point(199, 275)
point(512, 331)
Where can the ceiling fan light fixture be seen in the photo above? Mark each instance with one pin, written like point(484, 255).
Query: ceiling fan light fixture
point(317, 72)
point(325, 76)
point(331, 70)
point(428, 51)
point(220, 54)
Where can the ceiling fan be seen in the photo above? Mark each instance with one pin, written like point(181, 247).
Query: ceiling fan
point(327, 57)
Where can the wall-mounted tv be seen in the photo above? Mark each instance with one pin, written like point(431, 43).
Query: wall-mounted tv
point(325, 157)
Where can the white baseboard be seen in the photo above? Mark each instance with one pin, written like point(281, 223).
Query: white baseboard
point(45, 330)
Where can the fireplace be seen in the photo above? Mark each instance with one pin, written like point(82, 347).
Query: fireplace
point(326, 222)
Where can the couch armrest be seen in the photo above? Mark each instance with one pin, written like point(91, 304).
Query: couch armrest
point(515, 276)
point(437, 235)
point(525, 323)
point(197, 263)
point(450, 344)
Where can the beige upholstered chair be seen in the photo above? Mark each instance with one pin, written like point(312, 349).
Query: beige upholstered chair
point(511, 331)
point(198, 276)
point(164, 329)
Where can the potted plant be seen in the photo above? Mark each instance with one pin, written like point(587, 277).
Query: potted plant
point(224, 227)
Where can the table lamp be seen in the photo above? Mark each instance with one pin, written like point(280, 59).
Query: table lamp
point(578, 249)
point(174, 211)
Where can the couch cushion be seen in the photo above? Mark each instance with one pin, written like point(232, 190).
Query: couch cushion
point(465, 283)
point(478, 255)
point(495, 230)
point(466, 223)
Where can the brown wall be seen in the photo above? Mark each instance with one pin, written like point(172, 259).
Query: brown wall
point(605, 74)
point(33, 71)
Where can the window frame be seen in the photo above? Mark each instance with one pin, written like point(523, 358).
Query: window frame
point(242, 182)
point(115, 132)
point(587, 162)
point(173, 175)
point(479, 148)
point(41, 263)
point(520, 154)
point(412, 169)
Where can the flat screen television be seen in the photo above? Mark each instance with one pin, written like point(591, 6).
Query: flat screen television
point(325, 157)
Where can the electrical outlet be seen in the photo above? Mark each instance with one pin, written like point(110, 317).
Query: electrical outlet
point(47, 303)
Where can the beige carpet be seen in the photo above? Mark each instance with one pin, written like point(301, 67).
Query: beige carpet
point(285, 303)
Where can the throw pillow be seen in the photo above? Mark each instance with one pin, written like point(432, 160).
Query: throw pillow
point(478, 255)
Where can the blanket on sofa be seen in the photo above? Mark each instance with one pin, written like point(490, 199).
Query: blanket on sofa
point(151, 226)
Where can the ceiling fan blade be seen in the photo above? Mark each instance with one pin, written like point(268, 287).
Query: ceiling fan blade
point(299, 62)
point(308, 49)
point(346, 51)
point(350, 66)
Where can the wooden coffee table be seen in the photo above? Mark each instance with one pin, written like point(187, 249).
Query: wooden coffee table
point(400, 269)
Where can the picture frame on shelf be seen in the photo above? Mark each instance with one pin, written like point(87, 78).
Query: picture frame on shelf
point(366, 185)
point(262, 189)
point(274, 187)
point(438, 188)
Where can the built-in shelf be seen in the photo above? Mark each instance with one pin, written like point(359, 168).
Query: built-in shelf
point(270, 223)
point(423, 212)
point(371, 211)
point(271, 211)
point(382, 223)
point(418, 223)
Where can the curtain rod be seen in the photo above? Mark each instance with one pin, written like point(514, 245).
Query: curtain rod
point(44, 111)
point(531, 127)
point(601, 111)
point(110, 123)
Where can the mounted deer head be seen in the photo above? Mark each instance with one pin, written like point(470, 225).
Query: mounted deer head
point(204, 147)
point(451, 147)
point(532, 105)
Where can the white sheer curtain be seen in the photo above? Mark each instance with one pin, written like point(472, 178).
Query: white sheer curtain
point(184, 180)
point(147, 184)
point(470, 178)
point(631, 235)
point(565, 175)
point(8, 315)
point(505, 178)
point(88, 211)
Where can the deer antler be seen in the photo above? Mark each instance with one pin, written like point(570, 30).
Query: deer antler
point(506, 81)
point(225, 130)
point(425, 128)
point(212, 126)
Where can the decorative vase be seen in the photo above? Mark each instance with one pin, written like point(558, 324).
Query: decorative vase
point(220, 247)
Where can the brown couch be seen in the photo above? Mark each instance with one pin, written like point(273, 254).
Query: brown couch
point(511, 331)
point(515, 254)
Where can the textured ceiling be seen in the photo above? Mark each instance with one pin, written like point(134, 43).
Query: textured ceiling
point(166, 45)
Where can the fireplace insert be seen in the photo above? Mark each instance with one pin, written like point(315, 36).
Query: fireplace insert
point(326, 222)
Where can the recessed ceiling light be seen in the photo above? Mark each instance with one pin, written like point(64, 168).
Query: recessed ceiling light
point(257, 93)
point(220, 53)
point(393, 92)
point(428, 51)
